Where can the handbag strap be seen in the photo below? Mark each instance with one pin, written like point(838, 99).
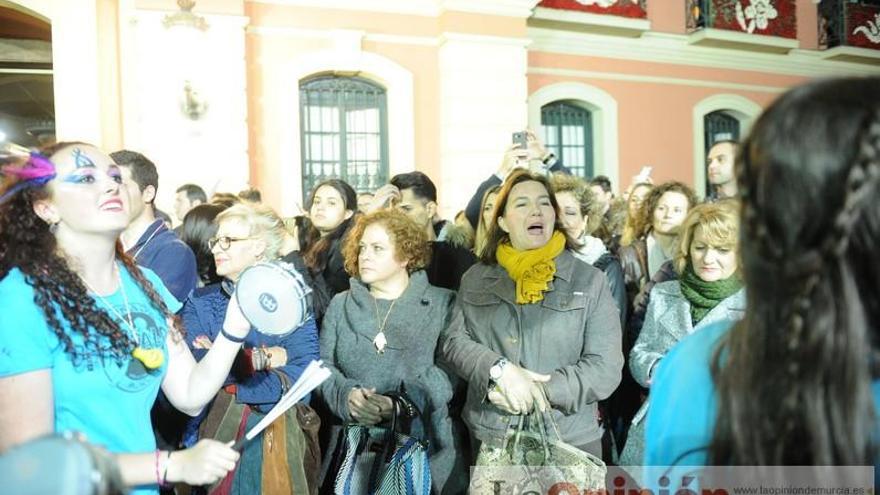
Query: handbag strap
point(388, 446)
point(283, 378)
point(538, 418)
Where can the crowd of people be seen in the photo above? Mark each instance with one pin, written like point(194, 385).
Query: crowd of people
point(652, 327)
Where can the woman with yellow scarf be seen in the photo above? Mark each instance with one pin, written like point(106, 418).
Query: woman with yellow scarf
point(534, 327)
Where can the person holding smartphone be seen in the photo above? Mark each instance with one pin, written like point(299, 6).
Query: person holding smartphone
point(526, 152)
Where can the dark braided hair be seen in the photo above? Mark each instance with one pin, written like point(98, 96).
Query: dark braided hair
point(27, 243)
point(794, 377)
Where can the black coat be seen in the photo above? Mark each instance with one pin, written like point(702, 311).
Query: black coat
point(448, 264)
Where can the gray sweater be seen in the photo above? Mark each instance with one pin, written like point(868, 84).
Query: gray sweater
point(573, 335)
point(412, 330)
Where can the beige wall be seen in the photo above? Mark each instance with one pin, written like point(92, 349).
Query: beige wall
point(459, 83)
point(280, 35)
point(655, 110)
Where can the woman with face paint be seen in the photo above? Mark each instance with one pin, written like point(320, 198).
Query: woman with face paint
point(708, 290)
point(535, 328)
point(89, 337)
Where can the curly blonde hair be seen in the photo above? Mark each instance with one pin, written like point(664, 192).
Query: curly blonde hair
point(410, 242)
point(584, 196)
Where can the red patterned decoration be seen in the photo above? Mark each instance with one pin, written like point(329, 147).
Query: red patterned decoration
point(636, 9)
point(863, 26)
point(764, 17)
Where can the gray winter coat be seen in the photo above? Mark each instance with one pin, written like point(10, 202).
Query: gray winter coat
point(412, 329)
point(573, 335)
point(667, 321)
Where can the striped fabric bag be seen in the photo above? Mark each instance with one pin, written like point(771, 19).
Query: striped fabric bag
point(382, 461)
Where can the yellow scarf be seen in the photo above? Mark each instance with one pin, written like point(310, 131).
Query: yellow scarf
point(532, 270)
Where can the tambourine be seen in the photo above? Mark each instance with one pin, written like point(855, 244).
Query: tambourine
point(273, 297)
point(62, 464)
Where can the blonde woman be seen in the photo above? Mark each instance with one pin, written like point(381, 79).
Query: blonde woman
point(709, 290)
point(487, 207)
point(247, 234)
point(633, 226)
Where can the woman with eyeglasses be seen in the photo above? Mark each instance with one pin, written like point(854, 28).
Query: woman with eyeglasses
point(246, 235)
point(88, 337)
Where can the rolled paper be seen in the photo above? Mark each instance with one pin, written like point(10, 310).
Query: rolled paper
point(152, 358)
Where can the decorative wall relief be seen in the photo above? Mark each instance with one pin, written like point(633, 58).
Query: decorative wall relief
point(764, 17)
point(853, 23)
point(636, 9)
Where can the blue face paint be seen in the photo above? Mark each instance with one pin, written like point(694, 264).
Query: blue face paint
point(90, 176)
point(81, 160)
point(86, 177)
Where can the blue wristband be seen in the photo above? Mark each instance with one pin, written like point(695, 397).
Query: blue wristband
point(229, 337)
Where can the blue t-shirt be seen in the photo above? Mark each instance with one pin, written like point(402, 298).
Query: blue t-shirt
point(109, 402)
point(681, 419)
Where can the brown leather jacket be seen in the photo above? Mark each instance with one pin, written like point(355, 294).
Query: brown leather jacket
point(573, 335)
point(634, 261)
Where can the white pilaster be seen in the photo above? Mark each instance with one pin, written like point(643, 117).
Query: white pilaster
point(75, 71)
point(483, 93)
point(211, 150)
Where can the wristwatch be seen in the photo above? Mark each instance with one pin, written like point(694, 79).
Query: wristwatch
point(497, 369)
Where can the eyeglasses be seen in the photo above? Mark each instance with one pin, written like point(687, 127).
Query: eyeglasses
point(225, 241)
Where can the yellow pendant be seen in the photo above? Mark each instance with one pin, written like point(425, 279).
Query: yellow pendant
point(152, 358)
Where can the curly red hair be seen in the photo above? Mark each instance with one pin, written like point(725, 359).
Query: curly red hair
point(410, 242)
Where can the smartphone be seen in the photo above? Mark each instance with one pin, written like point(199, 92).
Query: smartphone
point(521, 138)
point(645, 173)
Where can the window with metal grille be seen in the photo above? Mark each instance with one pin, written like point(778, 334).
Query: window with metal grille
point(344, 127)
point(568, 134)
point(718, 126)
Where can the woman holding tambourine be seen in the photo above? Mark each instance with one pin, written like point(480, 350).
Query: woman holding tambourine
point(246, 235)
point(88, 337)
point(383, 333)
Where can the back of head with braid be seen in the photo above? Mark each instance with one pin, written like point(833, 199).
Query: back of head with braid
point(27, 243)
point(794, 377)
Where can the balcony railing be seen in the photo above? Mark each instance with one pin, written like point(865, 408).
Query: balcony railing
point(634, 9)
point(849, 23)
point(763, 17)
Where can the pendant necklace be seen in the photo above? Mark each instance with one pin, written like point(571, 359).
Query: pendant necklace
point(148, 358)
point(380, 341)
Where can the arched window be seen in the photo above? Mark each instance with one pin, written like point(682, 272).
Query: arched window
point(719, 125)
point(568, 134)
point(344, 132)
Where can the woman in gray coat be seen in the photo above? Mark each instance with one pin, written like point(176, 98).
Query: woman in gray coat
point(534, 326)
point(708, 291)
point(383, 332)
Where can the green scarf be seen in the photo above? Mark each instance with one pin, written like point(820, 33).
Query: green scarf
point(702, 295)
